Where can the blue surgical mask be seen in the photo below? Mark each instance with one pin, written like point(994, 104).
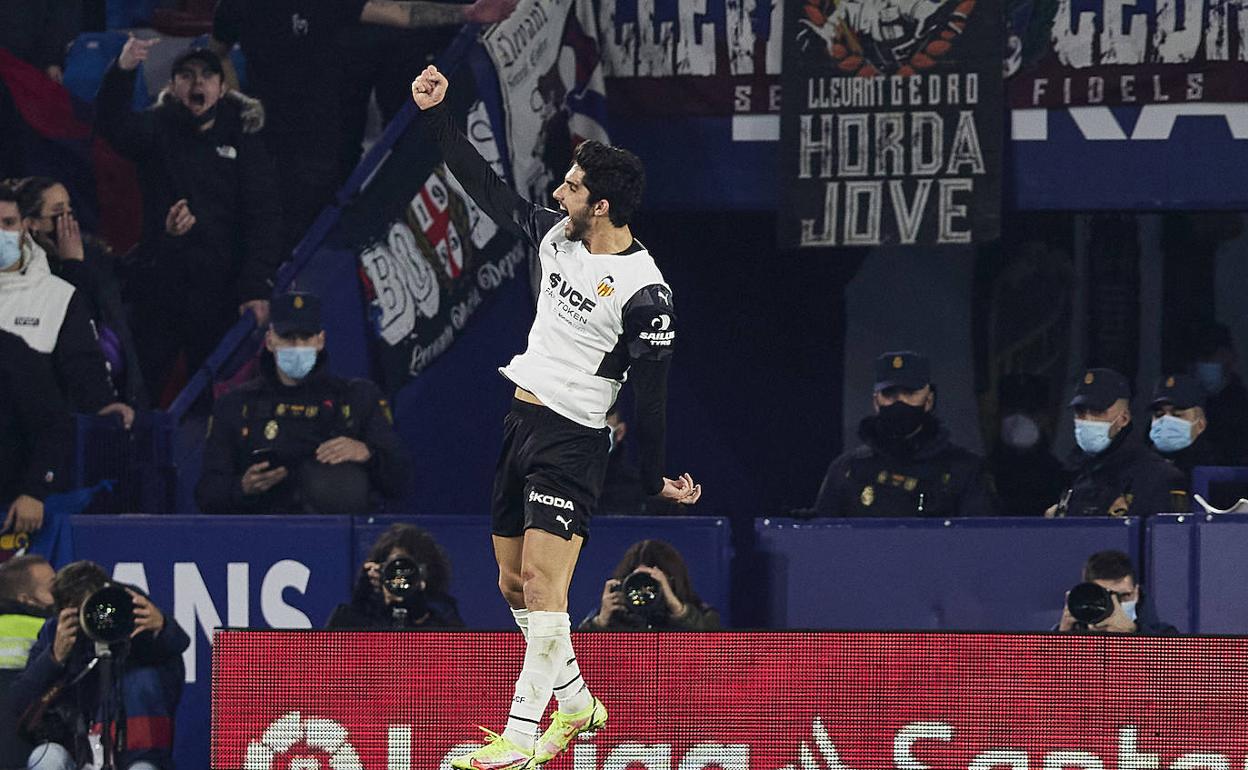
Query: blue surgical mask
point(1211, 376)
point(296, 362)
point(1170, 434)
point(10, 248)
point(1092, 436)
point(1128, 609)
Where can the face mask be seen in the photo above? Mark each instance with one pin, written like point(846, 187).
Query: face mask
point(10, 248)
point(1210, 375)
point(899, 419)
point(1092, 436)
point(295, 363)
point(1019, 431)
point(1128, 609)
point(1170, 434)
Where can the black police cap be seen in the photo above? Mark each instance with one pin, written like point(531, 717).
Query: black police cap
point(902, 369)
point(1098, 389)
point(298, 312)
point(1182, 391)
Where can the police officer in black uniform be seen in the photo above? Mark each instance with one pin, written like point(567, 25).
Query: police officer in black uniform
point(1178, 431)
point(297, 439)
point(1115, 472)
point(907, 465)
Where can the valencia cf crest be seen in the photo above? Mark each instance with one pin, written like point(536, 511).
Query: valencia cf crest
point(606, 287)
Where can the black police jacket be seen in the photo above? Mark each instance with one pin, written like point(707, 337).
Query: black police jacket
point(1199, 452)
point(1128, 469)
point(35, 422)
point(290, 423)
point(926, 475)
point(1227, 412)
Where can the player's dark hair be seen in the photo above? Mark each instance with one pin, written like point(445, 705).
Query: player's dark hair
point(1108, 565)
point(664, 556)
point(613, 175)
point(17, 576)
point(75, 582)
point(420, 546)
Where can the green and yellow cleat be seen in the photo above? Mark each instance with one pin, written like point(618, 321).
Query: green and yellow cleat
point(498, 753)
point(564, 727)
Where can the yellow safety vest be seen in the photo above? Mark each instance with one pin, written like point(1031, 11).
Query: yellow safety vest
point(17, 636)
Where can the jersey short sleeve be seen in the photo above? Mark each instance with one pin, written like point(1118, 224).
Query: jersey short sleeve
point(650, 324)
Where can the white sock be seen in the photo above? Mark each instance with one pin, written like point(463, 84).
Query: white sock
point(522, 619)
point(549, 644)
point(570, 689)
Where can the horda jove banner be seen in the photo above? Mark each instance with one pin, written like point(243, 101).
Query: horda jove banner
point(892, 121)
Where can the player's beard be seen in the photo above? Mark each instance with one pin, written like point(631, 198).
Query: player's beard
point(577, 227)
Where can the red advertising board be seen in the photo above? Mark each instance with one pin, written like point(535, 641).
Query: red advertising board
point(749, 701)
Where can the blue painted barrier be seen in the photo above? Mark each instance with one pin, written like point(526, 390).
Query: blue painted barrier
point(917, 574)
point(1196, 571)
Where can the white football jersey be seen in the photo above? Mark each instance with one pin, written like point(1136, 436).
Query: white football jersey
point(594, 311)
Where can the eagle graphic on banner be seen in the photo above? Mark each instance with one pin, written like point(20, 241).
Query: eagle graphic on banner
point(882, 37)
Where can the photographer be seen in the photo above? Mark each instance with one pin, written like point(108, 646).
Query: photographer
point(650, 588)
point(1124, 610)
point(415, 597)
point(58, 697)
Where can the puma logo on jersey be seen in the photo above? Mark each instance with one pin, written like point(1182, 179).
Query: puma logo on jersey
point(565, 522)
point(577, 300)
point(551, 500)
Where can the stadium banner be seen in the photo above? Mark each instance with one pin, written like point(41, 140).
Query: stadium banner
point(548, 63)
point(761, 701)
point(892, 130)
point(428, 257)
point(1082, 53)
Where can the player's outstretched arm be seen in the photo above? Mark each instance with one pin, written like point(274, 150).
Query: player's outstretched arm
point(492, 194)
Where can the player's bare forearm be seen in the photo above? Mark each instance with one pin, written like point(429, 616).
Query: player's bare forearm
point(413, 14)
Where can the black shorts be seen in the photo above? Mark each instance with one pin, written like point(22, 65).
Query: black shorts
point(549, 475)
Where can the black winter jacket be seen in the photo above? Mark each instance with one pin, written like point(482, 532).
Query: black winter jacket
point(224, 173)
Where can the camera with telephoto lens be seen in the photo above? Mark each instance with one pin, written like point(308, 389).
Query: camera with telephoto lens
point(403, 576)
point(643, 600)
point(107, 615)
point(1089, 604)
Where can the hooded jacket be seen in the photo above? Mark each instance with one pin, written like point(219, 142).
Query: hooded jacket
point(52, 318)
point(224, 173)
